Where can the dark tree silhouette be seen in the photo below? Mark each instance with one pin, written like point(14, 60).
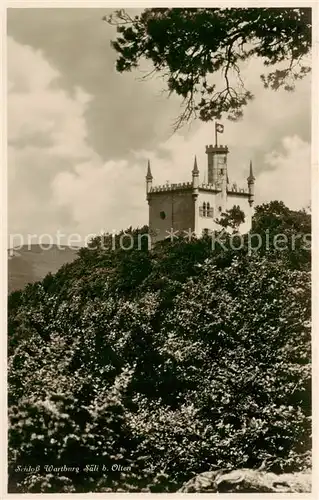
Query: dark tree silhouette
point(190, 47)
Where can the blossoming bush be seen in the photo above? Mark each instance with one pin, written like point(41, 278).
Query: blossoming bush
point(136, 371)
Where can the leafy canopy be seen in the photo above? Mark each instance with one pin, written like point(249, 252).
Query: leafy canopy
point(191, 47)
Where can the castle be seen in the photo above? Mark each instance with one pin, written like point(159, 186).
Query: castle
point(194, 206)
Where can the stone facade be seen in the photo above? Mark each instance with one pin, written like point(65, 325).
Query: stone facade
point(194, 206)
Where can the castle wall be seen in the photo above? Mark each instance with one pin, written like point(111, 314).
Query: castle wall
point(245, 207)
point(219, 203)
point(178, 207)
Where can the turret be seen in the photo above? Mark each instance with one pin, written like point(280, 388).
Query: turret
point(251, 184)
point(195, 174)
point(217, 163)
point(149, 178)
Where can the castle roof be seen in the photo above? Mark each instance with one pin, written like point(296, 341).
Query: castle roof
point(195, 169)
point(149, 173)
point(251, 175)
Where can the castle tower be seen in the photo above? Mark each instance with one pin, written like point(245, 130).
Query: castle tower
point(195, 207)
point(217, 164)
point(149, 179)
point(251, 184)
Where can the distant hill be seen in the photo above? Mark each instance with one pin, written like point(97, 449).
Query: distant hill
point(32, 263)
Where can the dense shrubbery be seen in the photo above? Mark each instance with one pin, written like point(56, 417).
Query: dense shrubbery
point(167, 362)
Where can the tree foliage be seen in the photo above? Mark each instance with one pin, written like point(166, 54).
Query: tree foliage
point(232, 218)
point(193, 46)
point(167, 362)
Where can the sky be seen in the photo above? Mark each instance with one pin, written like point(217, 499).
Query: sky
point(80, 134)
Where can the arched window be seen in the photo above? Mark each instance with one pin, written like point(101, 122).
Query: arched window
point(204, 209)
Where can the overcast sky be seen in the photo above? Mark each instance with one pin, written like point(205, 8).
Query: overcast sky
point(80, 134)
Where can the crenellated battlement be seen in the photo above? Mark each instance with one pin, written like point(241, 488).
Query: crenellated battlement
point(171, 187)
point(236, 190)
point(216, 149)
point(209, 187)
point(187, 185)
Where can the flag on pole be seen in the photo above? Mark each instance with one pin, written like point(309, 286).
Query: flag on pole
point(219, 127)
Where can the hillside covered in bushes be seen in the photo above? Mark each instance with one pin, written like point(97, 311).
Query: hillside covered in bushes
point(135, 370)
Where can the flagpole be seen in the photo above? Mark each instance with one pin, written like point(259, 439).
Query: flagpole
point(215, 134)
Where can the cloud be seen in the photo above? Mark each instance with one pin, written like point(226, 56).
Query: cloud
point(46, 133)
point(58, 181)
point(102, 196)
point(111, 196)
point(38, 108)
point(289, 177)
point(24, 60)
point(125, 112)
